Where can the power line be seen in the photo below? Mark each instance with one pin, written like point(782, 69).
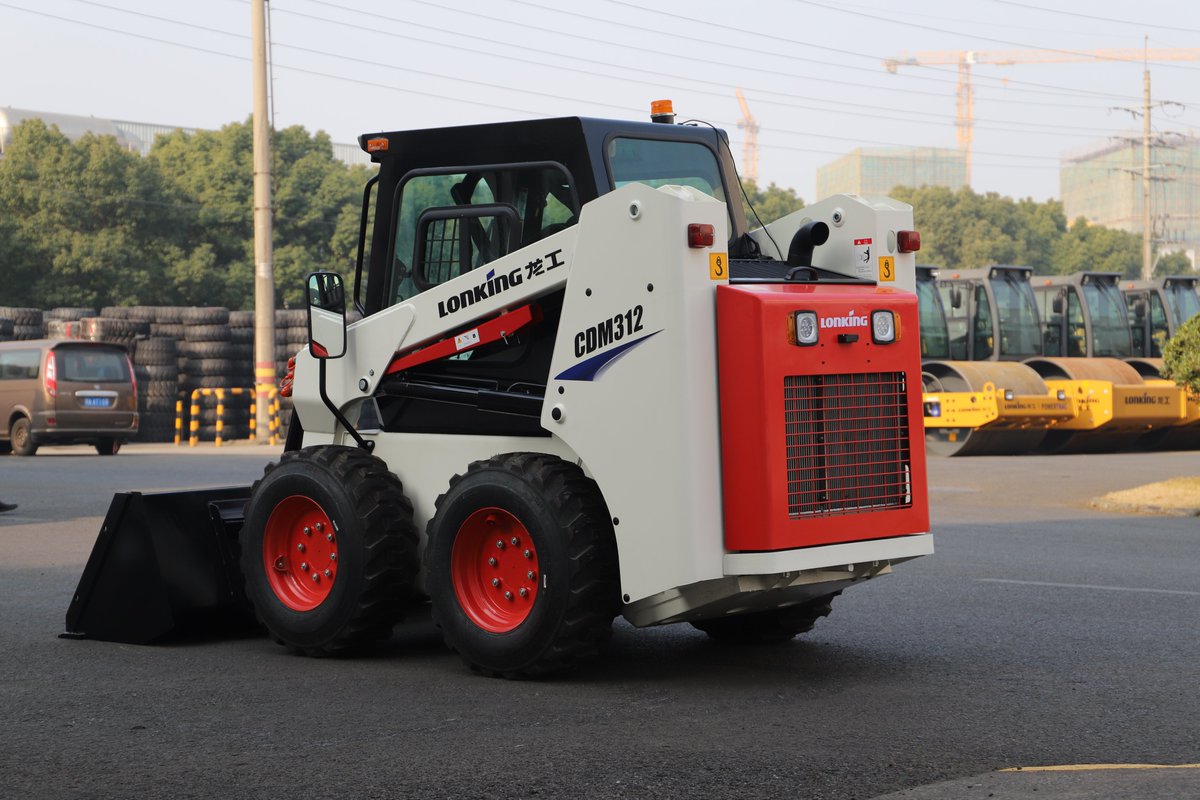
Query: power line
point(893, 20)
point(1079, 15)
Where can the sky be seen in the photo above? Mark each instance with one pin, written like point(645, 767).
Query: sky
point(812, 71)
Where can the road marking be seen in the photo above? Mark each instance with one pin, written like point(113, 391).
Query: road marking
point(1084, 767)
point(1183, 592)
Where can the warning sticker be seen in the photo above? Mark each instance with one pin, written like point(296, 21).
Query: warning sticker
point(887, 268)
point(862, 258)
point(465, 340)
point(718, 266)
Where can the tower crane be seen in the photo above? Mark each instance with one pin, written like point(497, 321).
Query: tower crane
point(965, 59)
point(750, 142)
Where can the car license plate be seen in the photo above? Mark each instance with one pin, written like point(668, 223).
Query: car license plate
point(95, 402)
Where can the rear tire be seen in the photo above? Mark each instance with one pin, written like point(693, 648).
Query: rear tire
point(501, 621)
point(361, 544)
point(774, 625)
point(107, 446)
point(21, 438)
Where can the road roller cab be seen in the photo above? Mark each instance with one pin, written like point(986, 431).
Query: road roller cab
point(1157, 308)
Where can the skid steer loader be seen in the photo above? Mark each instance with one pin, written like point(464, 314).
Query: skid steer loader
point(581, 388)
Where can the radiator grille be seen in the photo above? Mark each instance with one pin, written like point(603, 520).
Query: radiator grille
point(847, 443)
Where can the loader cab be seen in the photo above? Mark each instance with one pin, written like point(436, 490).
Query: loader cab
point(1083, 315)
point(452, 200)
point(991, 313)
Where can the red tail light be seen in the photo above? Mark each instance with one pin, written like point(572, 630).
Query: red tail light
point(50, 376)
point(908, 241)
point(701, 235)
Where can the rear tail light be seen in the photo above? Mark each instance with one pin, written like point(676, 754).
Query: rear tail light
point(701, 235)
point(908, 241)
point(132, 378)
point(50, 377)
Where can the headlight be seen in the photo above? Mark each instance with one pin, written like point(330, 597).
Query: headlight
point(883, 327)
point(806, 328)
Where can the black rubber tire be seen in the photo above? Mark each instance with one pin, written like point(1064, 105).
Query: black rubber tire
point(565, 515)
point(206, 333)
point(774, 625)
point(22, 440)
point(205, 349)
point(377, 549)
point(108, 446)
point(205, 315)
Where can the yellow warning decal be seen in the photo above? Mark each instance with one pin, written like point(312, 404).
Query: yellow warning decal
point(718, 266)
point(887, 268)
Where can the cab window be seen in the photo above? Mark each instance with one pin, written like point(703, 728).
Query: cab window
point(656, 163)
point(450, 223)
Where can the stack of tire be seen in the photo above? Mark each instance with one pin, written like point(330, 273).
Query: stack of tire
point(205, 361)
point(26, 322)
point(6, 329)
point(156, 366)
point(65, 323)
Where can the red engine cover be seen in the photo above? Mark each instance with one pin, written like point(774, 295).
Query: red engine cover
point(820, 444)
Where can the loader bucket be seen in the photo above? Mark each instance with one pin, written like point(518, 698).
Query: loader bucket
point(164, 563)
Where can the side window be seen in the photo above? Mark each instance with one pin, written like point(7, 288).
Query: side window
point(1050, 311)
point(956, 318)
point(19, 364)
point(1076, 332)
point(984, 338)
point(1159, 331)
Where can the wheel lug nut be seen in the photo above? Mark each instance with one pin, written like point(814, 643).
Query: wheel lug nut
point(307, 531)
point(524, 592)
point(333, 556)
point(316, 577)
point(328, 573)
point(499, 544)
point(320, 527)
point(492, 561)
point(508, 595)
point(300, 547)
point(515, 541)
point(329, 537)
point(529, 554)
point(495, 581)
point(529, 575)
point(304, 566)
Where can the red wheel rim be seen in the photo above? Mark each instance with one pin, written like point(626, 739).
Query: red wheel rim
point(300, 553)
point(494, 567)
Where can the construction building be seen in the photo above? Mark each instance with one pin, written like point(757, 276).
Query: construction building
point(133, 136)
point(878, 170)
point(1103, 184)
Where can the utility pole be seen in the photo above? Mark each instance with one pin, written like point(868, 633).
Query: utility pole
point(1147, 242)
point(264, 269)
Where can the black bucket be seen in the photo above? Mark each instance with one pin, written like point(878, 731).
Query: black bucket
point(165, 563)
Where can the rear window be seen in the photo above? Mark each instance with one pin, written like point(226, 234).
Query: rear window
point(92, 364)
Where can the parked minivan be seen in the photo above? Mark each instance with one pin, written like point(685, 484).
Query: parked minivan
point(66, 391)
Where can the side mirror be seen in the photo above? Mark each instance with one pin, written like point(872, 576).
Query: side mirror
point(326, 315)
point(955, 297)
point(1056, 305)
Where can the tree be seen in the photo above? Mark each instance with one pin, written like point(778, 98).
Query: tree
point(770, 203)
point(85, 224)
point(1181, 356)
point(1176, 263)
point(1099, 249)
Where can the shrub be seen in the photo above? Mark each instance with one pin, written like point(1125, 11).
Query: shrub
point(1181, 355)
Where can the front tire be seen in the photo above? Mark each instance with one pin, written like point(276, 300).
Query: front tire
point(523, 571)
point(108, 446)
point(772, 625)
point(21, 438)
point(328, 550)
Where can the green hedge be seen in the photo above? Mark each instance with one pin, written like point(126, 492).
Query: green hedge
point(1181, 355)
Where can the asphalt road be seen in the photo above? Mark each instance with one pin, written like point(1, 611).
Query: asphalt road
point(1042, 633)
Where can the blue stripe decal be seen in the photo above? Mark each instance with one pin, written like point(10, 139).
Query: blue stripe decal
point(591, 368)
